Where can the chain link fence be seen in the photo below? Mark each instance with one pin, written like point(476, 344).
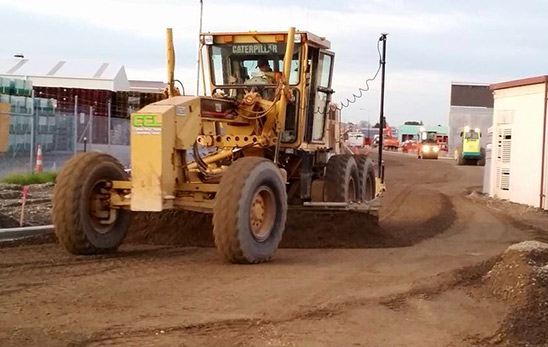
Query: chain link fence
point(60, 130)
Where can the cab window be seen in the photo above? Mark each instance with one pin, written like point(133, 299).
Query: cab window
point(320, 94)
point(238, 64)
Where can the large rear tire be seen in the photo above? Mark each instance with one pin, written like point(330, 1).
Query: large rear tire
point(80, 205)
point(342, 179)
point(250, 211)
point(366, 177)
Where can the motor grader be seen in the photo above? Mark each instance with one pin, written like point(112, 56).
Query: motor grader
point(266, 140)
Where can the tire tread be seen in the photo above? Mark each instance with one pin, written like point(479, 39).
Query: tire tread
point(67, 193)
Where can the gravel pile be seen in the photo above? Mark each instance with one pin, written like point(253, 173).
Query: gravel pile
point(520, 277)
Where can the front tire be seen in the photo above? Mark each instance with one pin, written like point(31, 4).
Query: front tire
point(80, 205)
point(250, 211)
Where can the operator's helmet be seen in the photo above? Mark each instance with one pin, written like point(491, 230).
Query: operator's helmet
point(263, 62)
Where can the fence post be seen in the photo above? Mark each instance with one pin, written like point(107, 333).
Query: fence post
point(75, 123)
point(108, 125)
point(31, 167)
point(90, 126)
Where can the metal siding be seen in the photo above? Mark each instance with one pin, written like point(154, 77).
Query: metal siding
point(471, 95)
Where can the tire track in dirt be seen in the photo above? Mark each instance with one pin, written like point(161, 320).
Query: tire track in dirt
point(427, 288)
point(392, 208)
point(52, 280)
point(537, 233)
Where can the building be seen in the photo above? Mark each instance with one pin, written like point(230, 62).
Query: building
point(410, 130)
point(98, 95)
point(518, 166)
point(471, 105)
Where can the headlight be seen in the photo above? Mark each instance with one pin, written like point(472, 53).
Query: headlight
point(436, 149)
point(208, 39)
point(426, 148)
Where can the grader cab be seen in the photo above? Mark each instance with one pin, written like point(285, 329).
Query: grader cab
point(268, 137)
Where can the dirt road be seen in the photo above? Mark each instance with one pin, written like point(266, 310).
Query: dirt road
point(412, 282)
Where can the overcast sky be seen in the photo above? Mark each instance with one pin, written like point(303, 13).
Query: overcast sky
point(431, 42)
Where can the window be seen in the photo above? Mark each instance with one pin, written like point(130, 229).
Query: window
point(238, 64)
point(321, 96)
point(472, 135)
point(289, 134)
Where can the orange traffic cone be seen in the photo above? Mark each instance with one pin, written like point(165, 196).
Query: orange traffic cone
point(39, 164)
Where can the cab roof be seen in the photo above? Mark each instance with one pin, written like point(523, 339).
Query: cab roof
point(319, 41)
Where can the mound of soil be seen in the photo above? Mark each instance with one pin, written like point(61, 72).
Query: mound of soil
point(172, 227)
point(303, 230)
point(520, 278)
point(405, 226)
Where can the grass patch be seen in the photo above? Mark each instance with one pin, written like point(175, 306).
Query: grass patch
point(32, 178)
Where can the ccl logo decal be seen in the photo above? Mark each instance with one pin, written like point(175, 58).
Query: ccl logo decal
point(145, 120)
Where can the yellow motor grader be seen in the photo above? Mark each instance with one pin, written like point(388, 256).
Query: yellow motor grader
point(268, 137)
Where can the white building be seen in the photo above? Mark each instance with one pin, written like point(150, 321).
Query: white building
point(519, 158)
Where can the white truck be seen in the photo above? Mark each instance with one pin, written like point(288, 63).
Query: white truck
point(356, 139)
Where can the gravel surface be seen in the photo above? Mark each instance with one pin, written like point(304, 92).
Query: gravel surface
point(37, 208)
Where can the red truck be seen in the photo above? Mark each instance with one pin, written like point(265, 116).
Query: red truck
point(390, 142)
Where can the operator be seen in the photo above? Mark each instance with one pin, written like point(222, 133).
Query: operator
point(264, 66)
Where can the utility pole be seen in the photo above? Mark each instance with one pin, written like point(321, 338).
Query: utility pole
point(368, 129)
point(381, 120)
point(75, 140)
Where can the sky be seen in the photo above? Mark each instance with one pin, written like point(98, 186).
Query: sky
point(430, 44)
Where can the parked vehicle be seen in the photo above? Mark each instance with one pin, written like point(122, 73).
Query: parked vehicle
point(390, 142)
point(356, 139)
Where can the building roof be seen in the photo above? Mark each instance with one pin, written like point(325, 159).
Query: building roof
point(147, 86)
point(61, 73)
point(469, 84)
point(520, 83)
point(58, 68)
point(471, 95)
point(413, 129)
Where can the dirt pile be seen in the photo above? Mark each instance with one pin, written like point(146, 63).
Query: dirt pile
point(38, 205)
point(403, 225)
point(303, 230)
point(520, 278)
point(172, 227)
